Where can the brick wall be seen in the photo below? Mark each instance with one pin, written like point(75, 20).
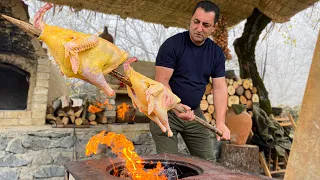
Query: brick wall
point(24, 52)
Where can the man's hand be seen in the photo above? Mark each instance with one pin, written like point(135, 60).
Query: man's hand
point(225, 132)
point(188, 115)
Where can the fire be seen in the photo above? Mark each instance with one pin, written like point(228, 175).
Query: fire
point(122, 109)
point(124, 149)
point(98, 106)
point(94, 109)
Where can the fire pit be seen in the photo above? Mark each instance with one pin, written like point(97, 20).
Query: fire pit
point(187, 167)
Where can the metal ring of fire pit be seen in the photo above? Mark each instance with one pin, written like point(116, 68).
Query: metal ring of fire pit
point(99, 169)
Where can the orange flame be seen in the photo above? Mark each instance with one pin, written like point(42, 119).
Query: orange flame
point(122, 109)
point(124, 149)
point(94, 109)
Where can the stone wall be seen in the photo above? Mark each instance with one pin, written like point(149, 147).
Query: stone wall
point(39, 152)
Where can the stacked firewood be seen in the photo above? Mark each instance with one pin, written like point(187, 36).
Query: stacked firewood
point(240, 91)
point(65, 111)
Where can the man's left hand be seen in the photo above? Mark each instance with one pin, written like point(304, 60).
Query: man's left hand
point(225, 132)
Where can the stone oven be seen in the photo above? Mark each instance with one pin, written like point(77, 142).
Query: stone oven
point(24, 71)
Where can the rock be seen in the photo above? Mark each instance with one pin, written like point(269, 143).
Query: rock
point(9, 174)
point(42, 159)
point(182, 148)
point(10, 160)
point(60, 158)
point(145, 149)
point(66, 142)
point(26, 173)
point(3, 142)
point(36, 143)
point(49, 171)
point(15, 146)
point(143, 139)
point(50, 134)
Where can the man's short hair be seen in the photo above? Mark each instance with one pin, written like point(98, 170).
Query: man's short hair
point(208, 6)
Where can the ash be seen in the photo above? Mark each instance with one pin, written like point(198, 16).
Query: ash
point(171, 173)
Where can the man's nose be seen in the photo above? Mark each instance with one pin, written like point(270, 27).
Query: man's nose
point(200, 27)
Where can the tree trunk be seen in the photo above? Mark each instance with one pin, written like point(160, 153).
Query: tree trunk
point(245, 50)
point(240, 157)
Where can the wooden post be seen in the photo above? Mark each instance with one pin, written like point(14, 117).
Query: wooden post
point(304, 159)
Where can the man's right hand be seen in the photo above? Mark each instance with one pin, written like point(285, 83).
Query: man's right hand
point(188, 115)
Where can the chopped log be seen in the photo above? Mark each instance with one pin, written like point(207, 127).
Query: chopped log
point(231, 90)
point(233, 100)
point(93, 123)
point(213, 122)
point(208, 89)
point(246, 84)
point(239, 81)
point(65, 120)
point(248, 94)
point(101, 118)
point(235, 84)
point(50, 117)
point(58, 120)
point(76, 102)
point(251, 86)
point(70, 112)
point(227, 80)
point(210, 109)
point(254, 90)
point(56, 104)
point(249, 104)
point(50, 109)
point(231, 81)
point(240, 90)
point(72, 118)
point(86, 122)
point(214, 115)
point(78, 113)
point(61, 113)
point(91, 116)
point(210, 99)
point(204, 97)
point(78, 121)
point(85, 109)
point(210, 80)
point(243, 100)
point(241, 157)
point(255, 98)
point(65, 100)
point(204, 105)
point(208, 117)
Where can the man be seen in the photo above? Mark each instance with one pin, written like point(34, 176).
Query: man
point(184, 64)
